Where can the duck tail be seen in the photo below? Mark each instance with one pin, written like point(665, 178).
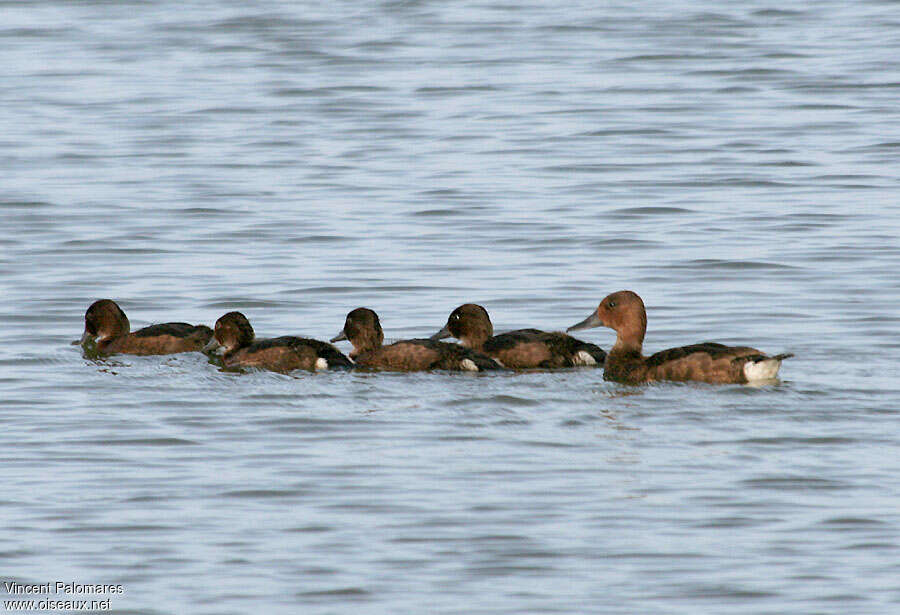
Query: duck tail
point(589, 354)
point(761, 367)
point(482, 362)
point(336, 359)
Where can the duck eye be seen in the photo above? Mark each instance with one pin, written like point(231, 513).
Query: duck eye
point(456, 317)
point(611, 304)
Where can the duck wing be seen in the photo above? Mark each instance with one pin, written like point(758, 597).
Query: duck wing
point(533, 348)
point(706, 362)
point(335, 358)
point(574, 351)
point(175, 329)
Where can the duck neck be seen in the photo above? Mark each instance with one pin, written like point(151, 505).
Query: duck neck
point(365, 343)
point(237, 341)
point(105, 342)
point(475, 341)
point(627, 345)
point(120, 329)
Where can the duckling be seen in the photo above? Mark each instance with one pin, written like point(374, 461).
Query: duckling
point(520, 349)
point(235, 340)
point(363, 329)
point(106, 323)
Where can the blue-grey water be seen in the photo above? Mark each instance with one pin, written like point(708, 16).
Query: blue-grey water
point(735, 163)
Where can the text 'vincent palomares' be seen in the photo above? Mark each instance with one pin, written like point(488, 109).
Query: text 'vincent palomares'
point(61, 587)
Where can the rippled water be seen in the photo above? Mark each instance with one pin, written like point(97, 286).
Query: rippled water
point(734, 163)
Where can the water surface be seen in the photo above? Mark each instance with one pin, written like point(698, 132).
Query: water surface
point(734, 164)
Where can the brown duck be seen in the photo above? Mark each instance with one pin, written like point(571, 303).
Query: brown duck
point(235, 340)
point(106, 323)
point(624, 312)
point(363, 329)
point(520, 349)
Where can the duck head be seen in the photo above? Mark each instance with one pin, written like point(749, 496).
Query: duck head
point(470, 324)
point(622, 311)
point(232, 332)
point(104, 321)
point(363, 329)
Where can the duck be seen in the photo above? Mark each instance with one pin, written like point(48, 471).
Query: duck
point(235, 340)
point(106, 323)
point(711, 362)
point(362, 328)
point(519, 349)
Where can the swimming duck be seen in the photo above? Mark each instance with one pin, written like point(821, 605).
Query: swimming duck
point(520, 349)
point(235, 340)
point(710, 362)
point(106, 323)
point(363, 329)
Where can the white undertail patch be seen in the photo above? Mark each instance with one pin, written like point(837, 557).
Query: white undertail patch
point(468, 365)
point(584, 358)
point(321, 364)
point(767, 369)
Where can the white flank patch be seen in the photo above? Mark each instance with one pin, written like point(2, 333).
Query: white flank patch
point(469, 365)
point(767, 369)
point(321, 363)
point(583, 357)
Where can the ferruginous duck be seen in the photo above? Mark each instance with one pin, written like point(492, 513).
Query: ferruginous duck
point(624, 312)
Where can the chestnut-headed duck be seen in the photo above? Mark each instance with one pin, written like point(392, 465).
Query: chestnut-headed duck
point(363, 329)
point(235, 340)
point(106, 323)
point(520, 349)
point(624, 312)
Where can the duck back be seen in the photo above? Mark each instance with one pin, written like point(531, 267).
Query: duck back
point(287, 353)
point(423, 355)
point(164, 338)
point(533, 348)
point(705, 362)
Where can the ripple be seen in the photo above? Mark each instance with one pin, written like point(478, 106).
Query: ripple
point(795, 483)
point(256, 494)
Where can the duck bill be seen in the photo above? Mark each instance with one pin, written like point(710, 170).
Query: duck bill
point(212, 346)
point(588, 323)
point(441, 335)
point(339, 337)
